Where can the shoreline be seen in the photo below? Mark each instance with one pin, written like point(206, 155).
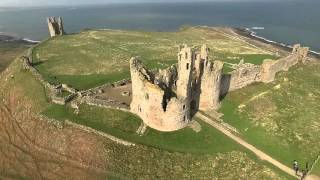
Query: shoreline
point(247, 32)
point(5, 38)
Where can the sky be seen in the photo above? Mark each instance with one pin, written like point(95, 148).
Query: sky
point(81, 2)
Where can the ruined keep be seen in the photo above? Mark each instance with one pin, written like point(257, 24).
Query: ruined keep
point(166, 100)
point(55, 26)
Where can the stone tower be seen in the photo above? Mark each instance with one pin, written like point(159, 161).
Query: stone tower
point(55, 26)
point(152, 100)
point(211, 85)
point(185, 68)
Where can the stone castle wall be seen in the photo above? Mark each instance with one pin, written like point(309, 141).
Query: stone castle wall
point(246, 74)
point(154, 103)
point(270, 68)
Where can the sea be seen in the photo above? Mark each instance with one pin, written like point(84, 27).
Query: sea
point(283, 21)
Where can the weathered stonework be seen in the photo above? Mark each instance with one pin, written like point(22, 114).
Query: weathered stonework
point(270, 68)
point(210, 85)
point(246, 73)
point(165, 100)
point(55, 26)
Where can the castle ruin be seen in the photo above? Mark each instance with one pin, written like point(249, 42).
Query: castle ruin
point(167, 99)
point(55, 26)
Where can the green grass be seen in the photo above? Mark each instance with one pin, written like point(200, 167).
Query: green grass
point(316, 169)
point(9, 51)
point(83, 82)
point(124, 125)
point(280, 118)
point(208, 141)
point(22, 82)
point(96, 57)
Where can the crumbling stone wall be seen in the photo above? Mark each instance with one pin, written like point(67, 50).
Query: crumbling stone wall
point(53, 90)
point(270, 68)
point(55, 26)
point(245, 73)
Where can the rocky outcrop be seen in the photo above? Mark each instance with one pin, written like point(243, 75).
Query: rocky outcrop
point(55, 26)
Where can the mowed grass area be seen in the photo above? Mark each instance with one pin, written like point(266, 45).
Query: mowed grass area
point(281, 118)
point(92, 58)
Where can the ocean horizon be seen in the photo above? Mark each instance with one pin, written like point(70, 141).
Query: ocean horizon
point(287, 22)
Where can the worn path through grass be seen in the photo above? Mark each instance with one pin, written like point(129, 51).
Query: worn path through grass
point(245, 144)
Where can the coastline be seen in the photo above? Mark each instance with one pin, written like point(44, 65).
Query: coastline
point(5, 38)
point(247, 32)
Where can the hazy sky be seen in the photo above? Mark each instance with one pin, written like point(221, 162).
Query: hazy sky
point(79, 2)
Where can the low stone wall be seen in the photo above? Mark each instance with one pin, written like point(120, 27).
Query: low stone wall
point(57, 124)
point(97, 90)
point(104, 103)
point(62, 100)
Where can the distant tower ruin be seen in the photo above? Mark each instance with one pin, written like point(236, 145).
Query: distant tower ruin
point(55, 26)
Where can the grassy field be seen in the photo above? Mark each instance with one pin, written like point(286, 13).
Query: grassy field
point(182, 154)
point(92, 58)
point(207, 144)
point(124, 125)
point(282, 117)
